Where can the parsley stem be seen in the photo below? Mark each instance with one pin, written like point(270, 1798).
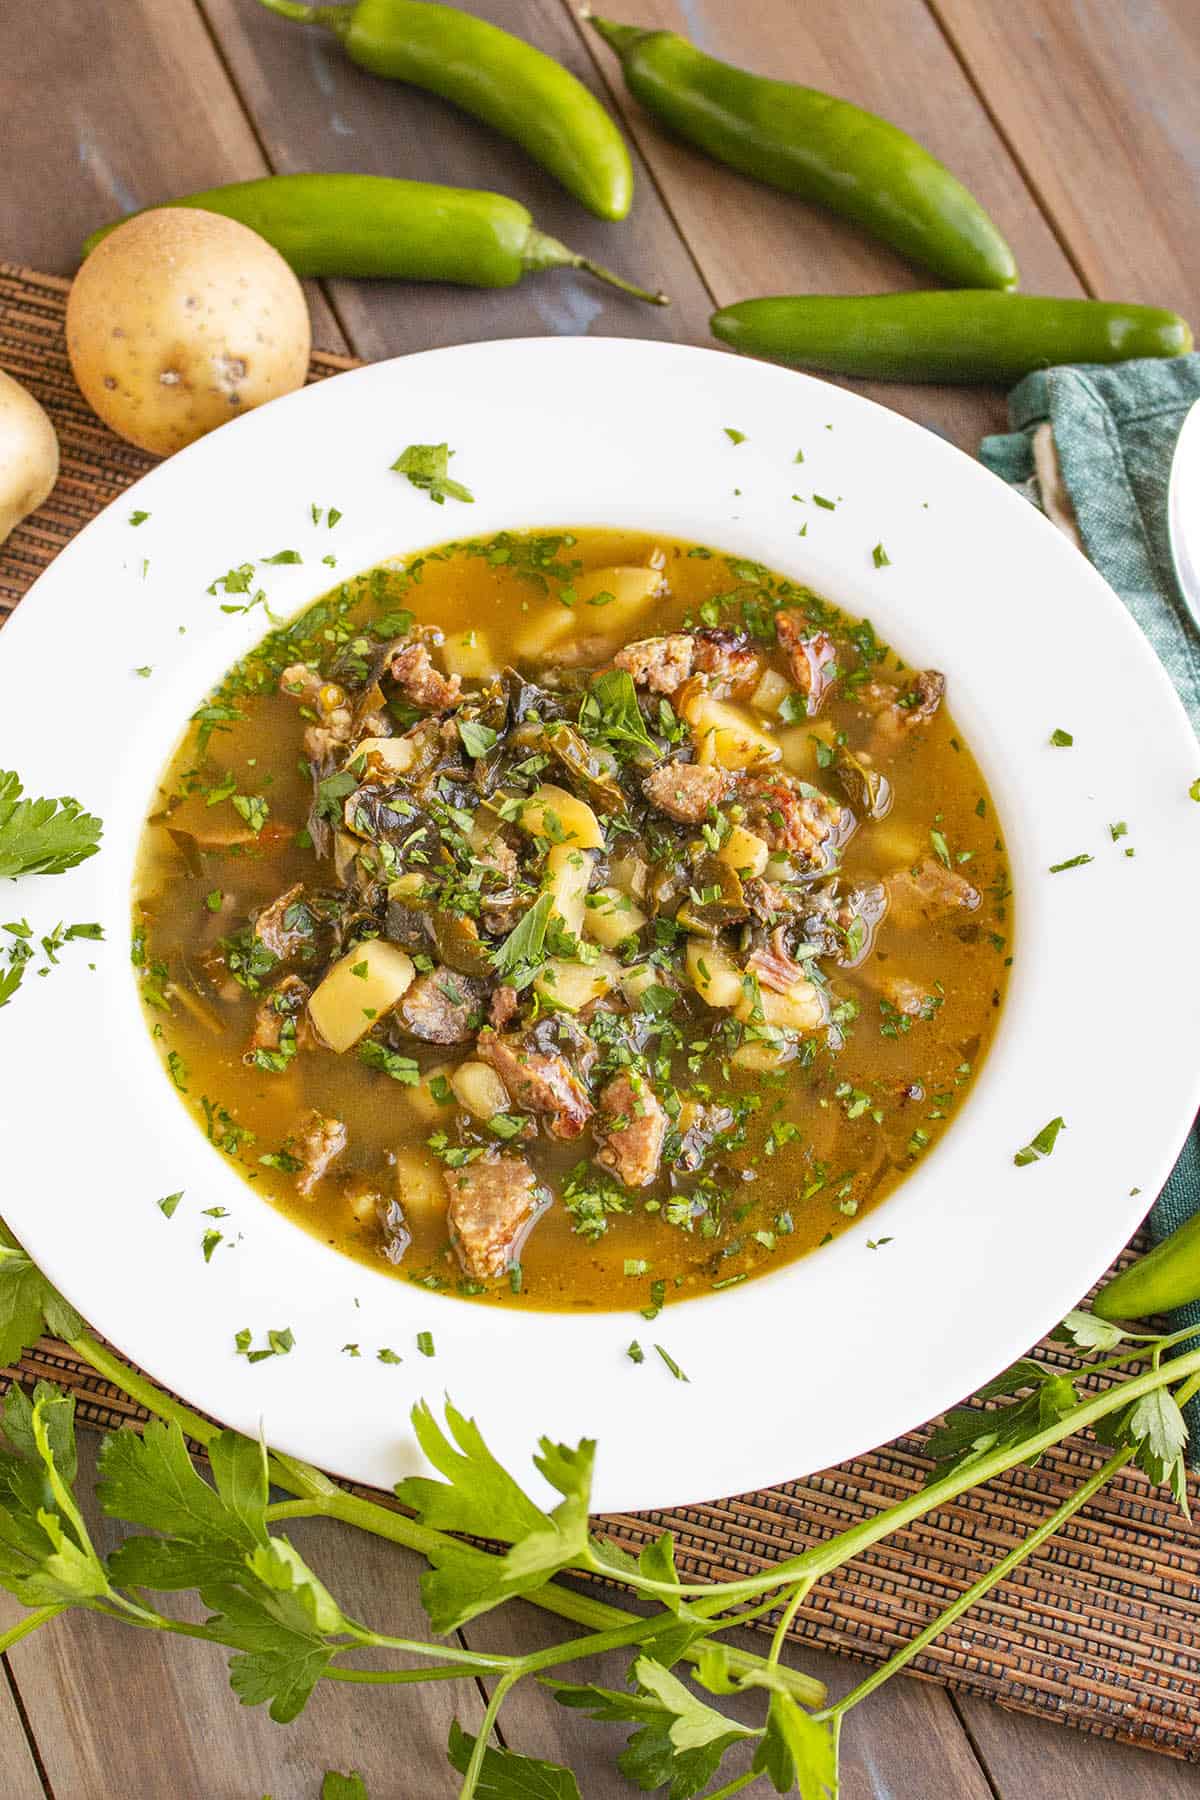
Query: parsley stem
point(42, 1615)
point(735, 1786)
point(495, 1701)
point(390, 1677)
point(485, 1662)
point(793, 1606)
point(321, 1498)
point(1049, 1526)
point(822, 1559)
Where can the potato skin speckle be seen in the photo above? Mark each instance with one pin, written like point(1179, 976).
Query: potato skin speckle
point(180, 320)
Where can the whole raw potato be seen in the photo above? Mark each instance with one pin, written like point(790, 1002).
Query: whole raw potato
point(28, 454)
point(180, 320)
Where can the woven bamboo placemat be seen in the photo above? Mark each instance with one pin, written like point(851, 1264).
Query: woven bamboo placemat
point(1101, 1630)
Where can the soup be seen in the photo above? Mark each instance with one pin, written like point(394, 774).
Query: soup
point(573, 919)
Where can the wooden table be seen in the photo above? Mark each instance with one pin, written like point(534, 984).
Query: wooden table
point(1077, 125)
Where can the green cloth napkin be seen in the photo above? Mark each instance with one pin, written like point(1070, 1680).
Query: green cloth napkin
point(1115, 431)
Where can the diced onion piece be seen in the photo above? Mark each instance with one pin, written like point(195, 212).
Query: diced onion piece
point(346, 1005)
point(713, 973)
point(479, 1089)
point(771, 692)
point(573, 985)
point(390, 756)
point(552, 812)
point(568, 872)
point(802, 1008)
point(610, 917)
point(632, 589)
point(470, 654)
point(744, 851)
point(419, 1185)
point(630, 874)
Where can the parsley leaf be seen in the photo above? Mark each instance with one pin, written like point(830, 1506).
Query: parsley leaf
point(46, 1555)
point(519, 957)
point(477, 739)
point(505, 1774)
point(28, 1304)
point(42, 837)
point(426, 466)
point(480, 1498)
point(797, 1749)
point(343, 1787)
point(148, 1478)
point(609, 712)
point(389, 1062)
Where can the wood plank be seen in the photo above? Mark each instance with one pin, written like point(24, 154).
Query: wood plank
point(313, 109)
point(891, 58)
point(906, 1741)
point(113, 108)
point(121, 1711)
point(1027, 1759)
point(21, 1778)
point(1098, 101)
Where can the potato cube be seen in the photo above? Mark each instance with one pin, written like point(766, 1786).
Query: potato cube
point(713, 973)
point(611, 916)
point(432, 1098)
point(419, 1185)
point(606, 601)
point(801, 1009)
point(726, 734)
point(470, 654)
point(744, 851)
point(479, 1089)
point(571, 986)
point(362, 987)
point(553, 813)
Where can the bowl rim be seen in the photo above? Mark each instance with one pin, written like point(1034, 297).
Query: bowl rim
point(496, 398)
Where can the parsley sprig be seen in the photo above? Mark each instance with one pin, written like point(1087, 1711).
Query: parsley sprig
point(42, 837)
point(215, 1532)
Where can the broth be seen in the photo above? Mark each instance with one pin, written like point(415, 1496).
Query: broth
point(794, 1030)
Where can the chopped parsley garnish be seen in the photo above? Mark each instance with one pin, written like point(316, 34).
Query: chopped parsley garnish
point(635, 1353)
point(389, 1062)
point(279, 1343)
point(609, 712)
point(880, 557)
point(733, 434)
point(284, 556)
point(427, 466)
point(1061, 739)
point(168, 1203)
point(477, 739)
point(518, 959)
point(1072, 862)
point(1041, 1145)
point(674, 1367)
point(425, 1343)
point(253, 808)
point(139, 517)
point(387, 1355)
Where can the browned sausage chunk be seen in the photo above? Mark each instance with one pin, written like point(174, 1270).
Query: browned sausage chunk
point(685, 791)
point(795, 818)
point(319, 1143)
point(442, 1007)
point(631, 1130)
point(284, 925)
point(661, 664)
point(539, 1082)
point(813, 656)
point(918, 896)
point(492, 1204)
point(285, 1001)
point(722, 654)
point(418, 680)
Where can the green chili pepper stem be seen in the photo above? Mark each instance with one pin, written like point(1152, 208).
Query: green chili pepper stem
point(825, 149)
point(495, 76)
point(618, 37)
point(963, 336)
point(1166, 1277)
point(364, 226)
point(542, 252)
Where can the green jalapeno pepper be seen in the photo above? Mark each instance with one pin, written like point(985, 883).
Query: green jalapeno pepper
point(822, 148)
point(497, 77)
point(1166, 1277)
point(407, 230)
point(955, 337)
